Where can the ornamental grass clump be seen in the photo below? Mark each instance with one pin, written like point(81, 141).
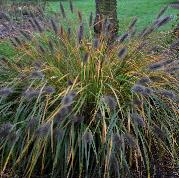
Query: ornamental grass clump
point(87, 107)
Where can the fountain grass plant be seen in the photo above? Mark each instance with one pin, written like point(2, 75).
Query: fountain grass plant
point(73, 105)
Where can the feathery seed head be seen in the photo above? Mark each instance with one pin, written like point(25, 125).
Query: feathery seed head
point(175, 44)
point(117, 140)
point(123, 53)
point(156, 66)
point(122, 38)
point(12, 137)
point(77, 119)
point(32, 123)
point(96, 43)
point(132, 24)
point(40, 29)
point(51, 47)
point(38, 65)
point(168, 94)
point(147, 91)
point(158, 132)
point(80, 33)
point(137, 103)
point(167, 62)
point(5, 91)
point(110, 102)
point(17, 41)
point(88, 137)
point(143, 80)
point(68, 32)
point(148, 31)
point(80, 16)
point(138, 119)
point(68, 99)
point(26, 34)
point(137, 88)
point(32, 24)
point(37, 75)
point(85, 58)
point(58, 134)
point(69, 83)
point(156, 79)
point(62, 10)
point(63, 113)
point(5, 129)
point(162, 11)
point(43, 130)
point(49, 90)
point(71, 6)
point(174, 5)
point(130, 140)
point(91, 19)
point(54, 26)
point(163, 21)
point(30, 93)
point(41, 48)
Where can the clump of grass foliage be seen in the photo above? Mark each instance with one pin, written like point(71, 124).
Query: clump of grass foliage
point(73, 105)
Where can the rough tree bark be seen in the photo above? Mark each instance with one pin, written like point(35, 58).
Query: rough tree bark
point(106, 9)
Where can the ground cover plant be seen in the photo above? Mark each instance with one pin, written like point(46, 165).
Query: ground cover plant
point(77, 105)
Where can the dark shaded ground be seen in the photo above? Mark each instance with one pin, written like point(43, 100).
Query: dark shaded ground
point(15, 19)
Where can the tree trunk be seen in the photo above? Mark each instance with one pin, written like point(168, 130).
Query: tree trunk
point(106, 9)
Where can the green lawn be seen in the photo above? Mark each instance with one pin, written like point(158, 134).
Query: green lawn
point(145, 10)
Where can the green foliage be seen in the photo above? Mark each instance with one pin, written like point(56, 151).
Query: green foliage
point(74, 106)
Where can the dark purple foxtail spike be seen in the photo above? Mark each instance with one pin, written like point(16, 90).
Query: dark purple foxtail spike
point(71, 6)
point(40, 29)
point(18, 41)
point(132, 24)
point(80, 16)
point(5, 129)
point(163, 21)
point(62, 10)
point(175, 44)
point(117, 139)
point(54, 26)
point(110, 101)
point(49, 90)
point(138, 119)
point(91, 19)
point(32, 123)
point(88, 137)
point(61, 31)
point(51, 47)
point(85, 58)
point(6, 91)
point(32, 24)
point(43, 130)
point(80, 33)
point(130, 140)
point(123, 53)
point(156, 66)
point(148, 31)
point(123, 37)
point(41, 48)
point(143, 80)
point(96, 43)
point(26, 35)
point(162, 11)
point(68, 33)
point(174, 5)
